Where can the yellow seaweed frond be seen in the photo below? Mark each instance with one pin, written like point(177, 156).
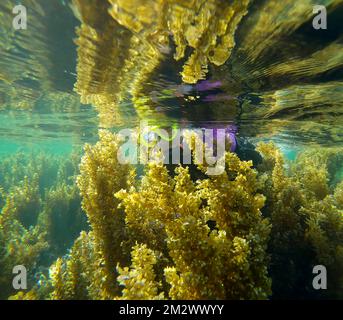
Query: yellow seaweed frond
point(101, 176)
point(305, 213)
point(139, 281)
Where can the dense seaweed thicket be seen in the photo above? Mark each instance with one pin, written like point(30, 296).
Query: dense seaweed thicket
point(249, 233)
point(40, 213)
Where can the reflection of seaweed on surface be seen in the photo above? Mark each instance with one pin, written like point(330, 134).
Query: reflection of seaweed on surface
point(143, 33)
point(127, 48)
point(31, 65)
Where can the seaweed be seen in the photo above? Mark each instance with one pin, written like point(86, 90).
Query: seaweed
point(162, 219)
point(306, 217)
point(39, 202)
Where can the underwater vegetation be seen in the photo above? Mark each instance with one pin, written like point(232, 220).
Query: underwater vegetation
point(305, 209)
point(245, 234)
point(40, 213)
point(98, 229)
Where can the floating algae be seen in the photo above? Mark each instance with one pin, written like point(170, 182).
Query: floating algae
point(87, 225)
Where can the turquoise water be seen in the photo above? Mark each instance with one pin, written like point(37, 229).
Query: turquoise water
point(54, 132)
